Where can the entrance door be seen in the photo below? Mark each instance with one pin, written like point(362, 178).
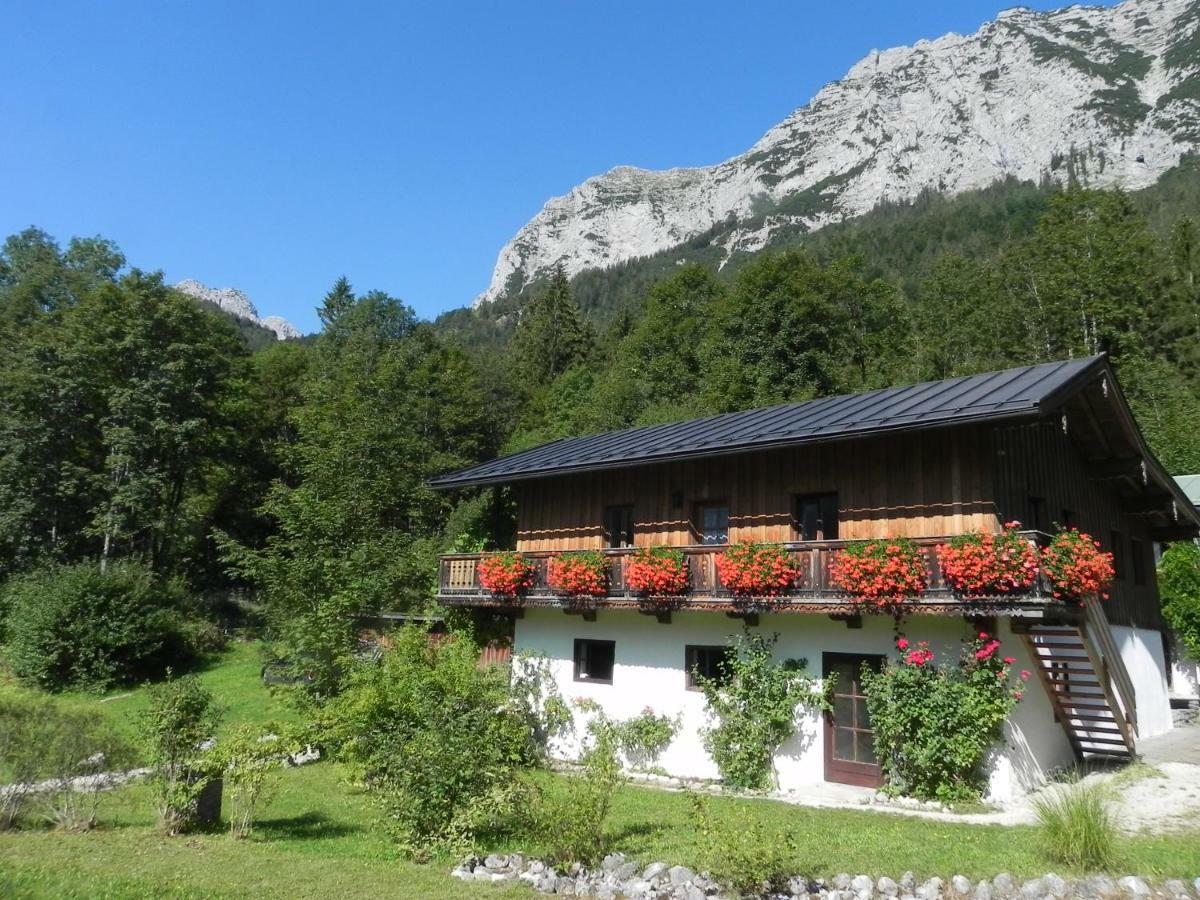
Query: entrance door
point(849, 739)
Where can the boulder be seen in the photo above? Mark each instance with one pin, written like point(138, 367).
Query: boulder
point(887, 887)
point(961, 885)
point(1003, 884)
point(862, 884)
point(681, 875)
point(1133, 886)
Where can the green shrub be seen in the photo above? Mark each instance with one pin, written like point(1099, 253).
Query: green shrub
point(572, 823)
point(934, 724)
point(1179, 583)
point(1077, 826)
point(180, 718)
point(753, 710)
point(78, 626)
point(437, 739)
point(535, 697)
point(740, 852)
point(22, 732)
point(79, 748)
point(643, 738)
point(249, 760)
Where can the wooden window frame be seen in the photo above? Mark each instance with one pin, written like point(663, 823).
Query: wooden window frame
point(820, 498)
point(698, 519)
point(577, 660)
point(689, 663)
point(1117, 542)
point(606, 531)
point(1137, 562)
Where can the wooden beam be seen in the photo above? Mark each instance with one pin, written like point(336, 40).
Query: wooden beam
point(1127, 467)
point(1147, 505)
point(1173, 533)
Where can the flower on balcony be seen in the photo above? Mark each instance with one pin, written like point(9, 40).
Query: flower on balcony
point(657, 572)
point(1076, 566)
point(505, 574)
point(579, 574)
point(757, 570)
point(881, 572)
point(980, 565)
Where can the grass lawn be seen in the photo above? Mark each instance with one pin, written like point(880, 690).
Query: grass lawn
point(321, 838)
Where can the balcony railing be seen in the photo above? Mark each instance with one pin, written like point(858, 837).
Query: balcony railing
point(458, 580)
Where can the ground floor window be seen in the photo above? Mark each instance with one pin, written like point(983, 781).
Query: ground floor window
point(594, 660)
point(708, 661)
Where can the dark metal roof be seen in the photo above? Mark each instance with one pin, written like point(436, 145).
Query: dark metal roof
point(1024, 392)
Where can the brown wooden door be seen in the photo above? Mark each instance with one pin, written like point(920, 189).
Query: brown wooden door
point(849, 740)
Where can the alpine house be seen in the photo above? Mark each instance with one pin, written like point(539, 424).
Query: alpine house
point(1053, 447)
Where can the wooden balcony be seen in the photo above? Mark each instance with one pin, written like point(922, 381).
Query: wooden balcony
point(458, 585)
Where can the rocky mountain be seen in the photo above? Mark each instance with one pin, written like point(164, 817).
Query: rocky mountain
point(238, 305)
point(1104, 95)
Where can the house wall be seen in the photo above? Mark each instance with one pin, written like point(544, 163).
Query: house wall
point(1185, 674)
point(925, 484)
point(1142, 651)
point(649, 671)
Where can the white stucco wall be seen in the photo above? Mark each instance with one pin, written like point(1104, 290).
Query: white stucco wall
point(1142, 652)
point(1185, 675)
point(649, 671)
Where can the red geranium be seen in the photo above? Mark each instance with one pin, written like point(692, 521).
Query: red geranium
point(657, 571)
point(978, 565)
point(579, 574)
point(505, 574)
point(757, 570)
point(882, 572)
point(1076, 566)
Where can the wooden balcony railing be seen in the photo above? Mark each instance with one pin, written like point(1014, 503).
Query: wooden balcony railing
point(458, 581)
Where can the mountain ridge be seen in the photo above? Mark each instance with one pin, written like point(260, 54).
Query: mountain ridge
point(237, 304)
point(1118, 86)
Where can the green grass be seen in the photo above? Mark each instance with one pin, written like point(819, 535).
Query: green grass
point(1078, 827)
point(321, 838)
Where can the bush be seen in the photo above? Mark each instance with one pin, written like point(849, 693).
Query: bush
point(248, 761)
point(572, 824)
point(935, 724)
point(22, 735)
point(437, 739)
point(79, 749)
point(76, 626)
point(1077, 826)
point(1179, 582)
point(181, 717)
point(740, 853)
point(754, 710)
point(535, 697)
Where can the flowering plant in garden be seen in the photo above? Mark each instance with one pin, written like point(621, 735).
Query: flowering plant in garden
point(505, 574)
point(978, 565)
point(657, 571)
point(757, 570)
point(882, 572)
point(579, 574)
point(934, 724)
point(1076, 566)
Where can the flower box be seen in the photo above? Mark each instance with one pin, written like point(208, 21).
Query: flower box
point(752, 570)
point(579, 574)
point(983, 565)
point(657, 572)
point(882, 572)
point(505, 574)
point(1076, 567)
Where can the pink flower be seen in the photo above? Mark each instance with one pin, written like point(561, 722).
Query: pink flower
point(1024, 674)
point(983, 635)
point(902, 643)
point(1009, 660)
point(1018, 695)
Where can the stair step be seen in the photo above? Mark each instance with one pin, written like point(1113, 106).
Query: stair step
point(1090, 718)
point(1091, 740)
point(1059, 645)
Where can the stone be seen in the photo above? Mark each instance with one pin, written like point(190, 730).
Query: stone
point(1175, 888)
point(516, 862)
point(1196, 886)
point(636, 887)
point(1133, 886)
point(908, 882)
point(612, 862)
point(626, 871)
point(536, 867)
point(605, 892)
point(887, 887)
point(842, 880)
point(462, 873)
point(547, 883)
point(654, 870)
point(1003, 884)
point(861, 883)
point(495, 861)
point(931, 889)
point(1033, 889)
point(565, 887)
point(681, 874)
point(798, 886)
point(688, 892)
point(1055, 885)
point(983, 891)
point(961, 884)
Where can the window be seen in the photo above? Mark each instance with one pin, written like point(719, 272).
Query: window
point(707, 661)
point(1068, 519)
point(1116, 543)
point(594, 660)
point(713, 523)
point(1037, 514)
point(1137, 555)
point(618, 526)
point(816, 517)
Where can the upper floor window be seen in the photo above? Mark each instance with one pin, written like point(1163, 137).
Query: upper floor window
point(1116, 543)
point(618, 526)
point(1137, 557)
point(816, 517)
point(712, 521)
point(1037, 514)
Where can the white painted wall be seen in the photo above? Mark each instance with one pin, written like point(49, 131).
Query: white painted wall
point(1185, 675)
point(649, 671)
point(1142, 651)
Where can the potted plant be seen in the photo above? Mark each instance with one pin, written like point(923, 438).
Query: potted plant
point(881, 572)
point(582, 573)
point(657, 572)
point(752, 569)
point(981, 565)
point(505, 574)
point(1076, 566)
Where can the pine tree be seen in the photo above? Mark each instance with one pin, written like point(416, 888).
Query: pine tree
point(551, 335)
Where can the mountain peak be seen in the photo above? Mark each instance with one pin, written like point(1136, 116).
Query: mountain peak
point(1112, 86)
point(236, 303)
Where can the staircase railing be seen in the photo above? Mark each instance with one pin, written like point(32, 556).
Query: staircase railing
point(1110, 666)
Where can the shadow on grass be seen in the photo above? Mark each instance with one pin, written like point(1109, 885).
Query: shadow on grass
point(632, 838)
point(305, 827)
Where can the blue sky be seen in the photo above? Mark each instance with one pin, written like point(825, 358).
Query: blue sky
point(273, 146)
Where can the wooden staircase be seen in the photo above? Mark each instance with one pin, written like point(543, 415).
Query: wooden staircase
point(1085, 678)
